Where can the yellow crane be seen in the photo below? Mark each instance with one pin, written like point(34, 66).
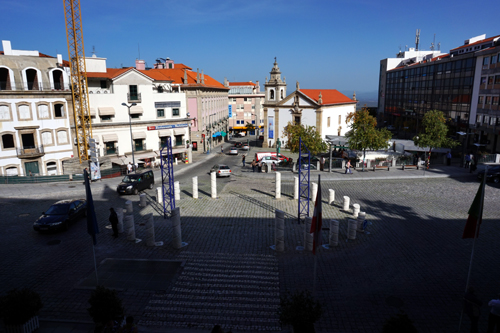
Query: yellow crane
point(79, 88)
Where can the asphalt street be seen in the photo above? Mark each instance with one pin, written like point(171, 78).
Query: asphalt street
point(411, 258)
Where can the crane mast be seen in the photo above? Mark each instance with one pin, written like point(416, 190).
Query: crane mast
point(79, 88)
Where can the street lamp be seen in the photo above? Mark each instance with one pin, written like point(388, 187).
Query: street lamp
point(130, 125)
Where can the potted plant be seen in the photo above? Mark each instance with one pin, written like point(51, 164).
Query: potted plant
point(19, 310)
point(105, 306)
point(300, 310)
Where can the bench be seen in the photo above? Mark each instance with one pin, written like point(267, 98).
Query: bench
point(382, 167)
point(409, 167)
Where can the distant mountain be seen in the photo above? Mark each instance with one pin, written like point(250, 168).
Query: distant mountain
point(370, 98)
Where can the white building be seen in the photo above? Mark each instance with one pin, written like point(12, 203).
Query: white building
point(326, 109)
point(160, 112)
point(35, 112)
point(245, 106)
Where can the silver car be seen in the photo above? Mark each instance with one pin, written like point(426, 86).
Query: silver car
point(221, 170)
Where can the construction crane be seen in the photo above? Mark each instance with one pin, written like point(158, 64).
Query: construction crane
point(79, 87)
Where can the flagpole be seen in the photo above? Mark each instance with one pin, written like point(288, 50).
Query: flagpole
point(95, 265)
point(314, 278)
point(474, 241)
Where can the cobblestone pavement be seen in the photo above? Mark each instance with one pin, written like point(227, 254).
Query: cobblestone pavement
point(412, 258)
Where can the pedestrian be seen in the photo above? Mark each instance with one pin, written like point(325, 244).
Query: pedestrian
point(254, 165)
point(113, 219)
point(473, 163)
point(243, 160)
point(448, 158)
point(129, 167)
point(136, 166)
point(494, 317)
point(472, 308)
point(273, 166)
point(348, 167)
point(467, 161)
point(129, 326)
point(222, 150)
point(259, 166)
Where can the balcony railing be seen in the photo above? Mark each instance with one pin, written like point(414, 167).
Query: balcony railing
point(30, 152)
point(33, 86)
point(134, 98)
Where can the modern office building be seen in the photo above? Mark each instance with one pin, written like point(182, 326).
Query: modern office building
point(36, 111)
point(326, 109)
point(245, 107)
point(418, 81)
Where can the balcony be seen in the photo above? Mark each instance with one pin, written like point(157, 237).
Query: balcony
point(33, 86)
point(30, 152)
point(134, 98)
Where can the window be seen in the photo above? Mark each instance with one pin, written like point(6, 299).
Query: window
point(59, 111)
point(8, 141)
point(134, 96)
point(4, 79)
point(110, 148)
point(486, 119)
point(178, 140)
point(5, 112)
point(248, 99)
point(43, 111)
point(494, 100)
point(328, 122)
point(160, 113)
point(135, 115)
point(485, 61)
point(483, 79)
point(297, 120)
point(175, 112)
point(138, 144)
point(493, 121)
point(62, 137)
point(32, 79)
point(487, 101)
point(51, 168)
point(105, 118)
point(103, 84)
point(281, 93)
point(340, 119)
point(481, 100)
point(47, 138)
point(497, 79)
point(271, 94)
point(490, 79)
point(493, 59)
point(479, 118)
point(57, 78)
point(24, 112)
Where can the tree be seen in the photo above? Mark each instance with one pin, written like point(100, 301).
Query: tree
point(435, 133)
point(363, 134)
point(249, 127)
point(310, 138)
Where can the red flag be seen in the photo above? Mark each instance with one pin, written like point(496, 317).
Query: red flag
point(475, 212)
point(317, 219)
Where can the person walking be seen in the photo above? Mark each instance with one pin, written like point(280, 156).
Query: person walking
point(472, 308)
point(254, 165)
point(113, 219)
point(467, 161)
point(222, 150)
point(129, 167)
point(348, 167)
point(494, 317)
point(448, 158)
point(259, 166)
point(243, 160)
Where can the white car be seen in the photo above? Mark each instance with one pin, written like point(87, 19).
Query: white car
point(270, 160)
point(245, 146)
point(233, 151)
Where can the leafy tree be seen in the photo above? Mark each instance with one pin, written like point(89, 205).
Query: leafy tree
point(310, 138)
point(435, 133)
point(249, 127)
point(300, 310)
point(363, 134)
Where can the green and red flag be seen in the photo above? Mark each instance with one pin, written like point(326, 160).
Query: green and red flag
point(475, 212)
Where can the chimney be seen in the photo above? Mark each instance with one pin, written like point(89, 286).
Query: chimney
point(197, 75)
point(140, 64)
point(185, 77)
point(59, 59)
point(7, 48)
point(202, 77)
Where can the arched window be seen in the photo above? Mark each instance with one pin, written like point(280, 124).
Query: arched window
point(58, 79)
point(62, 137)
point(32, 79)
point(271, 94)
point(11, 171)
point(24, 112)
point(47, 139)
point(59, 110)
point(43, 111)
point(5, 112)
point(8, 141)
point(281, 94)
point(4, 79)
point(51, 168)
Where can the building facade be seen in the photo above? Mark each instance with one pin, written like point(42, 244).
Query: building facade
point(36, 112)
point(419, 81)
point(326, 109)
point(245, 107)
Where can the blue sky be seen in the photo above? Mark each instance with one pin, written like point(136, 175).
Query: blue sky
point(335, 44)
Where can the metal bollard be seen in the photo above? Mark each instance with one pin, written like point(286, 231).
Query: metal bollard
point(130, 227)
point(314, 191)
point(119, 213)
point(296, 188)
point(278, 185)
point(129, 207)
point(177, 191)
point(195, 187)
point(213, 183)
point(351, 227)
point(142, 200)
point(355, 210)
point(159, 195)
point(346, 202)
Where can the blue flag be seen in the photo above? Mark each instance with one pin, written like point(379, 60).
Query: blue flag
point(92, 227)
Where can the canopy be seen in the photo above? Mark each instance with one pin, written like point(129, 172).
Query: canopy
point(216, 134)
point(223, 133)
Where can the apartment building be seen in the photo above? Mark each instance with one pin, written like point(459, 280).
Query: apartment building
point(36, 112)
point(245, 107)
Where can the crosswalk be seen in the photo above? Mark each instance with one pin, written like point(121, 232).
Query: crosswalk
point(238, 292)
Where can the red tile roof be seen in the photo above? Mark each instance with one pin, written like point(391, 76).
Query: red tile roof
point(176, 75)
point(476, 43)
point(329, 96)
point(110, 73)
point(241, 84)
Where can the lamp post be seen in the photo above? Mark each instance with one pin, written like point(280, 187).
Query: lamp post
point(130, 125)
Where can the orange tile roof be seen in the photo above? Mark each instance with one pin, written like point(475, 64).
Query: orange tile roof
point(176, 75)
point(329, 96)
point(475, 43)
point(241, 84)
point(110, 73)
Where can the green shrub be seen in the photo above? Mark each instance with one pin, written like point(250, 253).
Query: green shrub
point(105, 305)
point(19, 305)
point(300, 310)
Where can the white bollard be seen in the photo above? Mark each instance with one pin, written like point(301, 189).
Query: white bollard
point(130, 227)
point(278, 185)
point(176, 161)
point(296, 188)
point(195, 187)
point(177, 191)
point(334, 233)
point(331, 199)
point(159, 194)
point(351, 229)
point(314, 191)
point(142, 200)
point(355, 210)
point(361, 219)
point(346, 202)
point(176, 228)
point(308, 237)
point(119, 213)
point(279, 233)
point(150, 230)
point(129, 207)
point(213, 184)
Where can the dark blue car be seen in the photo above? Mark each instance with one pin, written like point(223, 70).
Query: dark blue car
point(61, 214)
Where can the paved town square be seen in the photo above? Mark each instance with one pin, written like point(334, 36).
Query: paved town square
point(411, 257)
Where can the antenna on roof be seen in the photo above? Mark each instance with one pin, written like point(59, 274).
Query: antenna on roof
point(93, 50)
point(433, 43)
point(417, 39)
point(439, 46)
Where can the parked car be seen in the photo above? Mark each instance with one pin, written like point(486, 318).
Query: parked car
point(238, 144)
point(135, 182)
point(260, 155)
point(61, 214)
point(245, 146)
point(270, 160)
point(233, 151)
point(221, 170)
point(493, 174)
point(391, 128)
